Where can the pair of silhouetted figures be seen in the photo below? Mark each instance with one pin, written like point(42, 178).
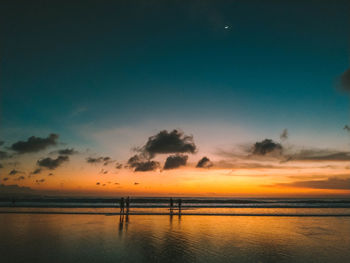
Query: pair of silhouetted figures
point(124, 203)
point(179, 204)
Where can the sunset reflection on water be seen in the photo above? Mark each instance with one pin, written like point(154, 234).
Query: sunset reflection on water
point(98, 238)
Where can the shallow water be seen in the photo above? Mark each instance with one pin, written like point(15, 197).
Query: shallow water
point(151, 238)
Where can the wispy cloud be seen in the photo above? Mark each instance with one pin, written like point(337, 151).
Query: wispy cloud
point(330, 183)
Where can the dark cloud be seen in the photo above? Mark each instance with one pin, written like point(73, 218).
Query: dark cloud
point(345, 81)
point(40, 181)
point(118, 166)
point(168, 142)
point(14, 172)
point(35, 144)
point(51, 163)
point(175, 161)
point(136, 183)
point(5, 179)
point(284, 135)
point(204, 163)
point(141, 165)
point(103, 171)
point(105, 160)
point(4, 155)
point(266, 146)
point(330, 183)
point(67, 151)
point(50, 174)
point(36, 171)
point(104, 185)
point(347, 128)
point(98, 183)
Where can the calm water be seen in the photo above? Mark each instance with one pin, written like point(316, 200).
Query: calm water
point(160, 238)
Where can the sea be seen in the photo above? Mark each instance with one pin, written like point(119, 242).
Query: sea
point(203, 230)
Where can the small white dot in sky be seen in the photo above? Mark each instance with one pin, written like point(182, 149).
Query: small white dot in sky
point(227, 27)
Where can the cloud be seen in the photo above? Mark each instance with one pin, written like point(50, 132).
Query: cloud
point(252, 165)
point(105, 160)
point(345, 81)
point(265, 147)
point(35, 144)
point(103, 171)
point(330, 183)
point(284, 135)
point(50, 174)
point(204, 163)
point(5, 179)
point(347, 128)
point(66, 151)
point(51, 163)
point(40, 181)
point(140, 165)
point(175, 161)
point(14, 172)
point(136, 183)
point(168, 142)
point(118, 166)
point(98, 183)
point(320, 155)
point(36, 171)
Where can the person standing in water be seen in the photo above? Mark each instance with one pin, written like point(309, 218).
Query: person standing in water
point(179, 204)
point(127, 204)
point(171, 205)
point(122, 205)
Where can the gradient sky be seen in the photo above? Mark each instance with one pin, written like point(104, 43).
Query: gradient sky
point(107, 75)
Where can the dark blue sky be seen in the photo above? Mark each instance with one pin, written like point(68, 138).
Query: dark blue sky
point(119, 63)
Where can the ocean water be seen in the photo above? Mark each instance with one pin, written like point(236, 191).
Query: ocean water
point(207, 230)
point(64, 238)
point(190, 206)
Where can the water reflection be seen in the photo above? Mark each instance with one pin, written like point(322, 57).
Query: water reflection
point(172, 238)
point(123, 223)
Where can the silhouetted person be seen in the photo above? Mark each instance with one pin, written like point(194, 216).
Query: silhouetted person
point(179, 203)
point(122, 205)
point(127, 203)
point(171, 205)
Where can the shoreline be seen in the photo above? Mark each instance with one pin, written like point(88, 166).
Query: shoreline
point(174, 214)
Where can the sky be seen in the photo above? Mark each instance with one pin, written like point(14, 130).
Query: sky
point(175, 98)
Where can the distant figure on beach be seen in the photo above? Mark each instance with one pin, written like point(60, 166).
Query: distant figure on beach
point(127, 204)
point(171, 205)
point(122, 205)
point(179, 204)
